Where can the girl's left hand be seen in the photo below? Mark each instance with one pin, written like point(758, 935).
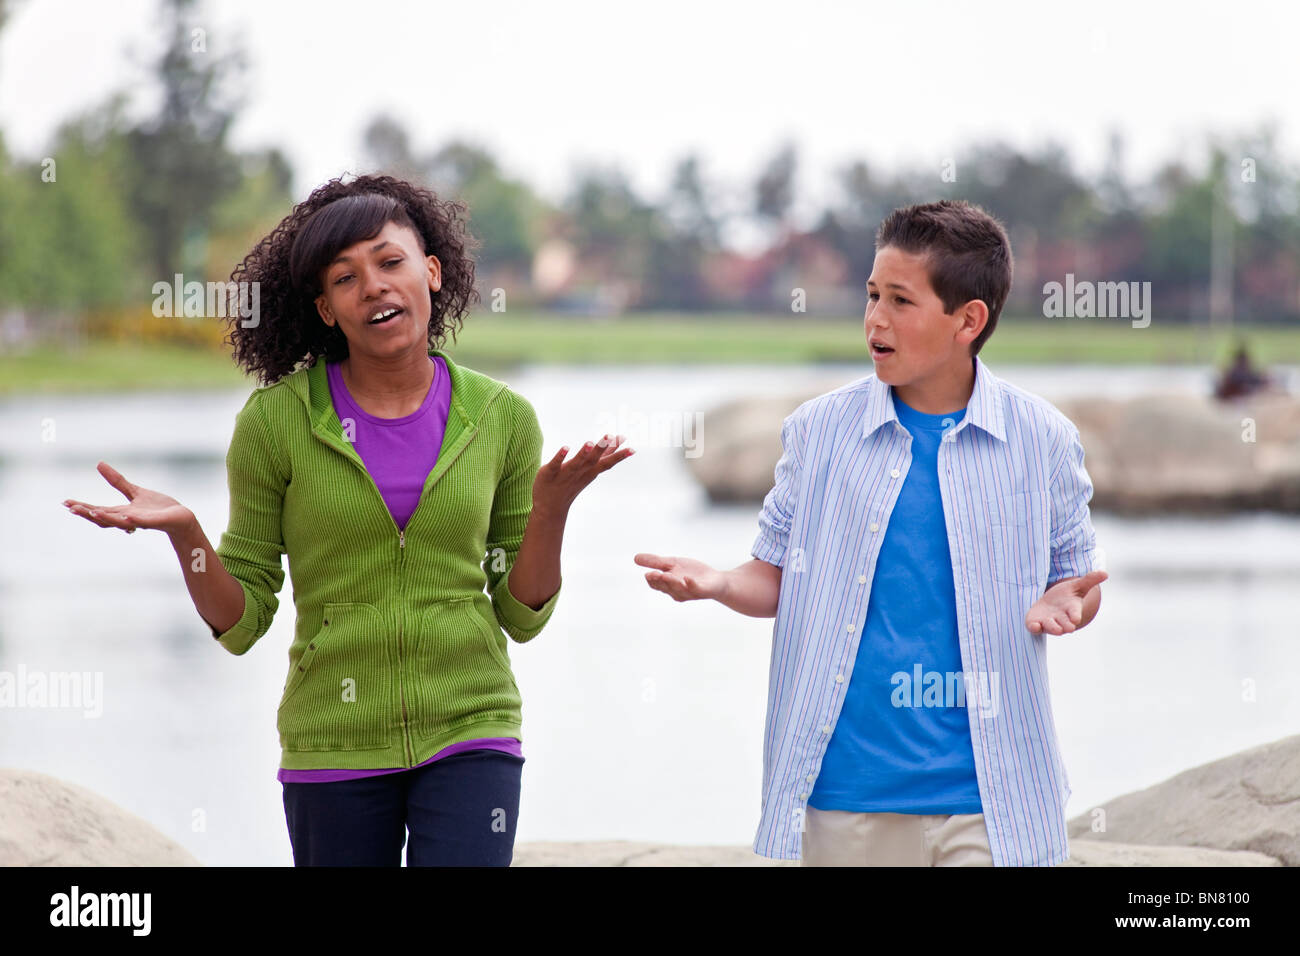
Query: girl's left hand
point(558, 482)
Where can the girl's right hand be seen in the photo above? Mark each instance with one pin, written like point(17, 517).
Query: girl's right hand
point(147, 509)
point(683, 579)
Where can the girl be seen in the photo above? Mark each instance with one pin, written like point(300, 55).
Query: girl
point(408, 493)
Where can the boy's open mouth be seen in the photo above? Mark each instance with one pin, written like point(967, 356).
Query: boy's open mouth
point(878, 349)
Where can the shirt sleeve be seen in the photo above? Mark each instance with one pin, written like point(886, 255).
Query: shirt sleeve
point(775, 519)
point(1074, 542)
point(253, 541)
point(511, 505)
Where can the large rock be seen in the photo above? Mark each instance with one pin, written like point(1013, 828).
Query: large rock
point(1145, 455)
point(1095, 853)
point(45, 821)
point(623, 853)
point(1187, 453)
point(1248, 801)
point(1082, 853)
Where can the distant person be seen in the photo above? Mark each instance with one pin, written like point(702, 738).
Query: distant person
point(928, 528)
point(400, 485)
point(1241, 378)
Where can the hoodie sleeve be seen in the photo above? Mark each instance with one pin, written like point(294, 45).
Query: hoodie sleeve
point(511, 504)
point(252, 543)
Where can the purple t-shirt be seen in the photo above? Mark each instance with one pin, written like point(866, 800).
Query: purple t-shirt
point(399, 453)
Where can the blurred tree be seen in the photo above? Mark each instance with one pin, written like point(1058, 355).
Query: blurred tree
point(70, 242)
point(684, 234)
point(864, 200)
point(610, 223)
point(774, 189)
point(389, 148)
point(181, 165)
point(1037, 190)
point(504, 213)
point(1178, 230)
point(263, 197)
point(688, 206)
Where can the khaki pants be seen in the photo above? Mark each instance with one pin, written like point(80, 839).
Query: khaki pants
point(844, 838)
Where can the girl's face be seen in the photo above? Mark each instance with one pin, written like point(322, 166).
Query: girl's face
point(377, 292)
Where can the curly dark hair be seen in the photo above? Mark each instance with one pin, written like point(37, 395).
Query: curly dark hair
point(287, 265)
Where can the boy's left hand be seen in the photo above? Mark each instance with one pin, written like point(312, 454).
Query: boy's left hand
point(1060, 609)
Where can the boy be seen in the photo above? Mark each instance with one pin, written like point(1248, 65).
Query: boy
point(928, 528)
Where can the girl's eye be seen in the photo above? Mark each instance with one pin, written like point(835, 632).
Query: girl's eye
point(347, 275)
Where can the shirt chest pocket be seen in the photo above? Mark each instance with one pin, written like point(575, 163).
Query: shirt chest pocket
point(1019, 539)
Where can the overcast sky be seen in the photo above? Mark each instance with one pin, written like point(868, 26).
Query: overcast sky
point(545, 85)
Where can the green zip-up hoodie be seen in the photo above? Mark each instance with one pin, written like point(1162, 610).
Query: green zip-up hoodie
point(398, 651)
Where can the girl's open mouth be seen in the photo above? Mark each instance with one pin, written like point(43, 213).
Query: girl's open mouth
point(385, 318)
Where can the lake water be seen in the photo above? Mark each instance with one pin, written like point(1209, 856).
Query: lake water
point(643, 718)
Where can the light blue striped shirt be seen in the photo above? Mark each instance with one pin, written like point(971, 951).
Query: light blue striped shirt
point(1015, 503)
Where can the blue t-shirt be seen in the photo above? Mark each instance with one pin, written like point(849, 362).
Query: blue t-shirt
point(902, 741)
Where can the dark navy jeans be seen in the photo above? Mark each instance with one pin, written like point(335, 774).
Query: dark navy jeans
point(460, 811)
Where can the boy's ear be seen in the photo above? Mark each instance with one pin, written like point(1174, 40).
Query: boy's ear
point(974, 316)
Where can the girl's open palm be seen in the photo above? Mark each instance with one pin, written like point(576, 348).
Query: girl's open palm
point(558, 482)
point(146, 508)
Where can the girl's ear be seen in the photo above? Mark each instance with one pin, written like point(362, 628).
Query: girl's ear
point(435, 273)
point(322, 307)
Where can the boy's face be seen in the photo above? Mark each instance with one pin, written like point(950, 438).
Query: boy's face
point(903, 313)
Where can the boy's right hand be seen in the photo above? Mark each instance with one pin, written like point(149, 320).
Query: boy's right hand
point(683, 579)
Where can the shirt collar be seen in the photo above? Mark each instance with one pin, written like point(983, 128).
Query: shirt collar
point(983, 410)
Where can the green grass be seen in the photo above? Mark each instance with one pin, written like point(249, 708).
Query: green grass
point(110, 366)
point(674, 338)
point(492, 341)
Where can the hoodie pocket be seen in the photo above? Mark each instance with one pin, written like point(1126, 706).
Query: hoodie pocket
point(337, 697)
point(458, 673)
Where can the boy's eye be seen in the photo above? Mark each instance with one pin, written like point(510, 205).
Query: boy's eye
point(899, 298)
point(391, 261)
point(873, 296)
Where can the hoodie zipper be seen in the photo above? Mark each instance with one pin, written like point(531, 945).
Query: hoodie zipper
point(407, 746)
point(401, 621)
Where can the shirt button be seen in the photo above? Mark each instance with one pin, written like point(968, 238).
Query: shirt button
point(874, 526)
point(826, 729)
point(894, 473)
point(810, 778)
point(803, 796)
point(839, 678)
point(849, 628)
point(862, 579)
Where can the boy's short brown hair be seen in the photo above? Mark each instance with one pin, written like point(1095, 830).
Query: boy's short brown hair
point(967, 253)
